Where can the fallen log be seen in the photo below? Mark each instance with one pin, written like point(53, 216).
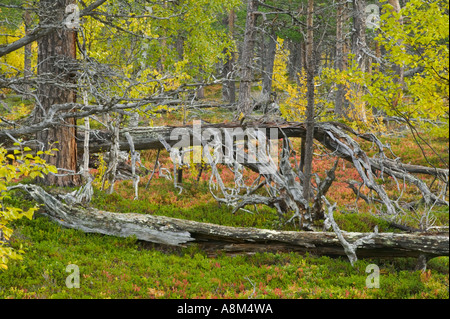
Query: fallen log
point(211, 237)
point(334, 136)
point(146, 138)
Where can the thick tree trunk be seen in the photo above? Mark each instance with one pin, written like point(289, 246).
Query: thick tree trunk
point(245, 103)
point(359, 33)
point(229, 86)
point(56, 53)
point(179, 232)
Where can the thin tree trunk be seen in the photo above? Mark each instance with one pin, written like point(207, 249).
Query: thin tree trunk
point(271, 49)
point(359, 45)
point(27, 54)
point(359, 34)
point(397, 68)
point(295, 60)
point(310, 100)
point(309, 110)
point(245, 105)
point(339, 60)
point(56, 52)
point(87, 127)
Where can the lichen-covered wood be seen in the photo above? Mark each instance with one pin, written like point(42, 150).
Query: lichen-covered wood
point(173, 231)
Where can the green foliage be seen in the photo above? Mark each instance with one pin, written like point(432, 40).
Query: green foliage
point(417, 38)
point(12, 168)
point(164, 43)
point(294, 101)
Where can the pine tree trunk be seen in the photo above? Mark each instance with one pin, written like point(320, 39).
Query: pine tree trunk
point(229, 86)
point(271, 50)
point(295, 60)
point(56, 52)
point(339, 61)
point(27, 53)
point(359, 34)
point(310, 106)
point(245, 105)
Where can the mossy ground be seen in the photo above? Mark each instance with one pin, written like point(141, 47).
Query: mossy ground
point(126, 268)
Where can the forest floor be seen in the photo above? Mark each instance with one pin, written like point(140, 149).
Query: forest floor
point(113, 267)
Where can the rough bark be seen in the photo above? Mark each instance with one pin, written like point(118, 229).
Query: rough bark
point(44, 30)
point(336, 137)
point(245, 103)
point(311, 70)
point(295, 60)
point(339, 61)
point(179, 232)
point(359, 33)
point(229, 86)
point(270, 51)
point(56, 52)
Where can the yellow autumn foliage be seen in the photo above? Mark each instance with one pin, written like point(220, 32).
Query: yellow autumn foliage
point(12, 168)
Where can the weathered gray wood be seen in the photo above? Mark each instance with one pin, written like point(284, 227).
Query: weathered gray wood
point(149, 138)
point(173, 231)
point(332, 135)
point(146, 138)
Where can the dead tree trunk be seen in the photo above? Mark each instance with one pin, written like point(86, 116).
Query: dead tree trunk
point(309, 140)
point(56, 54)
point(269, 54)
point(287, 194)
point(229, 86)
point(339, 61)
point(245, 103)
point(179, 232)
